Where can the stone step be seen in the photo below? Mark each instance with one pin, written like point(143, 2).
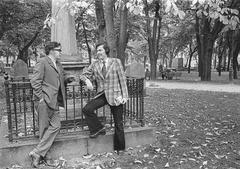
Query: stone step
point(69, 146)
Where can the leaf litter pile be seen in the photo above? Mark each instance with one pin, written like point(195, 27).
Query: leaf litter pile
point(194, 130)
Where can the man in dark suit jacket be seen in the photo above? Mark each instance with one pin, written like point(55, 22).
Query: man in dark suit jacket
point(112, 90)
point(48, 83)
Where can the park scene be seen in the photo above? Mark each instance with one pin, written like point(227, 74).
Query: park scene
point(177, 68)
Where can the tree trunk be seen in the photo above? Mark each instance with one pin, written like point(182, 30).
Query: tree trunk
point(23, 53)
point(220, 51)
point(235, 51)
point(206, 55)
point(111, 36)
point(219, 65)
point(86, 40)
point(153, 62)
point(123, 37)
point(100, 21)
point(225, 60)
point(229, 57)
point(197, 30)
point(153, 36)
point(171, 59)
point(191, 53)
point(215, 62)
point(230, 65)
point(189, 63)
point(206, 35)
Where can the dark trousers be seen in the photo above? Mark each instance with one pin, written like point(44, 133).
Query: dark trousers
point(94, 124)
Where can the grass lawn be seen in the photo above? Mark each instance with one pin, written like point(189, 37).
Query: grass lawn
point(192, 77)
point(194, 130)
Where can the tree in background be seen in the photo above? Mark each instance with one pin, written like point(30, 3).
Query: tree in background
point(22, 24)
point(212, 17)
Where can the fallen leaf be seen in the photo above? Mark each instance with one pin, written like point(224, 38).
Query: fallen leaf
point(167, 165)
point(146, 155)
point(138, 162)
point(173, 142)
point(192, 159)
point(98, 167)
point(219, 156)
point(158, 150)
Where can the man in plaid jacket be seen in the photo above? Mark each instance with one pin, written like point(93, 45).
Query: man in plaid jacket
point(112, 90)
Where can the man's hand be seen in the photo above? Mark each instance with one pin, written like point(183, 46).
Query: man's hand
point(41, 100)
point(121, 100)
point(89, 84)
point(124, 100)
point(70, 79)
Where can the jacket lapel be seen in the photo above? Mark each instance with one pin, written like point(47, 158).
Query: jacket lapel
point(109, 67)
point(99, 70)
point(51, 64)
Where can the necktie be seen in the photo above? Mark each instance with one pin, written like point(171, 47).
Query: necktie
point(104, 69)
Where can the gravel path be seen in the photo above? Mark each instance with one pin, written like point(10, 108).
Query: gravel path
point(231, 88)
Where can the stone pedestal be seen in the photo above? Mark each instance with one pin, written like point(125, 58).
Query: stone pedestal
point(63, 31)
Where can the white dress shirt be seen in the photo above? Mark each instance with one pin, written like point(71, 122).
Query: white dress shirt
point(53, 60)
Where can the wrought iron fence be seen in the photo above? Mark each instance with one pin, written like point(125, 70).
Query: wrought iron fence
point(23, 119)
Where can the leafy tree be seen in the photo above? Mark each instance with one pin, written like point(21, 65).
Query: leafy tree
point(212, 17)
point(155, 11)
point(180, 33)
point(105, 12)
point(22, 23)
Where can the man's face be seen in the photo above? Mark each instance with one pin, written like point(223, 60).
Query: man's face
point(101, 54)
point(57, 53)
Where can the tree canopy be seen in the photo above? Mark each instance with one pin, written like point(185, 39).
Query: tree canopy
point(164, 28)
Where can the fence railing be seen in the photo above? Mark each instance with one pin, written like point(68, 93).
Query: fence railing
point(23, 119)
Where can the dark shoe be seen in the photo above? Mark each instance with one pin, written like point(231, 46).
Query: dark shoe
point(99, 132)
point(120, 152)
point(50, 162)
point(35, 159)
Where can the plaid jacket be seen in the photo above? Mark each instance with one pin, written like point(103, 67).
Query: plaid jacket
point(114, 83)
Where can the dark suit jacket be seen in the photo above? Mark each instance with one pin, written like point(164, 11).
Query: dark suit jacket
point(48, 83)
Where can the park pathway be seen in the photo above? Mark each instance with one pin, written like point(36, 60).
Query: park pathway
point(201, 86)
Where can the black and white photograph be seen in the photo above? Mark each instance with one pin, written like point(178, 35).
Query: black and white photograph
point(120, 84)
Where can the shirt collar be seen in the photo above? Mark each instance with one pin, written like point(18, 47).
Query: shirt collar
point(106, 61)
point(52, 59)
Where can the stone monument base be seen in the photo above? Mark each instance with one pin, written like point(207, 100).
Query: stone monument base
point(74, 68)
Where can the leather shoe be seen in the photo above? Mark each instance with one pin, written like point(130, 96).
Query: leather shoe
point(50, 162)
point(35, 159)
point(99, 132)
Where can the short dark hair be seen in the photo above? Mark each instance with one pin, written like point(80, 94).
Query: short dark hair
point(105, 47)
point(50, 46)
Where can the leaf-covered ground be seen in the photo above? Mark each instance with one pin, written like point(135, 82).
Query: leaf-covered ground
point(194, 130)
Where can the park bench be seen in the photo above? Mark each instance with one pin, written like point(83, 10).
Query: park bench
point(171, 75)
